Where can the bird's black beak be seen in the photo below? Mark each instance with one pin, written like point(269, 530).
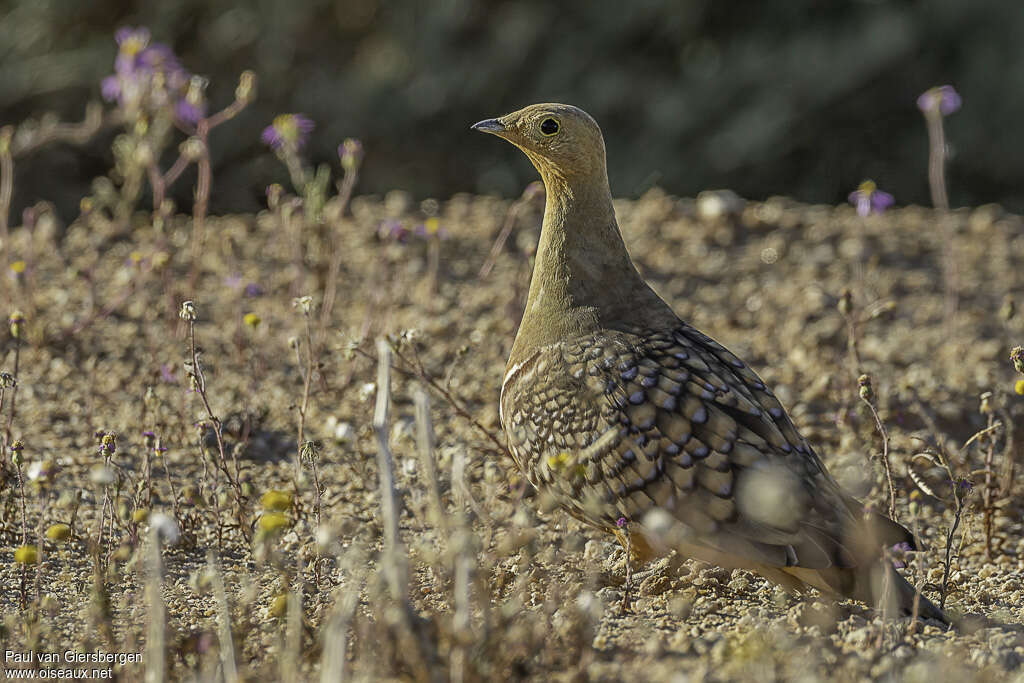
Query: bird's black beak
point(493, 126)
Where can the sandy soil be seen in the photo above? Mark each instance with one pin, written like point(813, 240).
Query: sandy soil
point(501, 586)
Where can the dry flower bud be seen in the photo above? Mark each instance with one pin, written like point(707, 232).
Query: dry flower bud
point(246, 90)
point(845, 304)
point(1017, 356)
point(143, 154)
point(192, 149)
point(188, 311)
point(867, 392)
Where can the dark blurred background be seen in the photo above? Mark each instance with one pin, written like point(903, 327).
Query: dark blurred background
point(798, 97)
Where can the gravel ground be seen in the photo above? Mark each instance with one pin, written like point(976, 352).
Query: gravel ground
point(499, 585)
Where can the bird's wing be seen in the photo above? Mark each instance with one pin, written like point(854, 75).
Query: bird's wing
point(621, 423)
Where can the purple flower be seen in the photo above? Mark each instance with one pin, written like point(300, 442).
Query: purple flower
point(130, 42)
point(899, 554)
point(393, 230)
point(110, 88)
point(288, 130)
point(253, 290)
point(188, 112)
point(620, 522)
point(149, 77)
point(944, 99)
point(167, 375)
point(869, 199)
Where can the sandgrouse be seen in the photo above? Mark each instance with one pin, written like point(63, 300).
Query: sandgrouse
point(627, 415)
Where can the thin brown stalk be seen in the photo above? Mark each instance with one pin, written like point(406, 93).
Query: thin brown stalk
point(940, 199)
point(6, 188)
point(419, 372)
point(14, 389)
point(345, 188)
point(307, 381)
point(885, 458)
point(233, 479)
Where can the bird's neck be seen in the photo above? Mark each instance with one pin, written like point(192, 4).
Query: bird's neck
point(584, 279)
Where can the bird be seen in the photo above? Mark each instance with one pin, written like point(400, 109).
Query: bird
point(637, 423)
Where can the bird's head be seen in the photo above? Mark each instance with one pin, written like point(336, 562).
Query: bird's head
point(561, 140)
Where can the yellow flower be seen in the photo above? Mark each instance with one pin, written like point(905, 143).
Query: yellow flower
point(252, 320)
point(278, 606)
point(18, 267)
point(58, 532)
point(274, 522)
point(1019, 387)
point(432, 225)
point(26, 554)
point(276, 501)
point(16, 321)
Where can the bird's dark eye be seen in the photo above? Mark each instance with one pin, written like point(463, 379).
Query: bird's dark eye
point(549, 126)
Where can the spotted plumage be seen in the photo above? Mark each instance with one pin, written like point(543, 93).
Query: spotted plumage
point(619, 409)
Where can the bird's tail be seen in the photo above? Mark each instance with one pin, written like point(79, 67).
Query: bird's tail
point(878, 584)
point(881, 585)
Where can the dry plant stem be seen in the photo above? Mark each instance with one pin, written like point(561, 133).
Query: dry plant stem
point(14, 389)
point(394, 557)
point(425, 447)
point(288, 658)
point(334, 657)
point(6, 189)
point(940, 199)
point(24, 512)
point(233, 479)
point(885, 458)
point(461, 622)
point(174, 493)
point(506, 229)
point(381, 418)
point(420, 373)
point(5, 435)
point(307, 381)
point(947, 562)
point(345, 188)
point(93, 120)
point(156, 631)
point(227, 646)
point(853, 343)
point(202, 201)
point(989, 490)
point(883, 606)
point(433, 263)
point(160, 182)
point(204, 181)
